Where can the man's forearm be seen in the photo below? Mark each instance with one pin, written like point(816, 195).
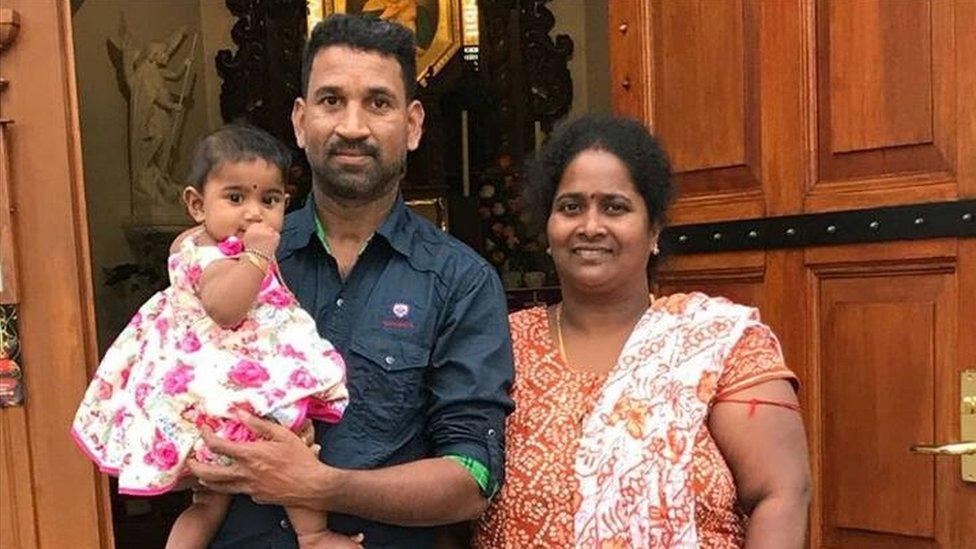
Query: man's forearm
point(428, 492)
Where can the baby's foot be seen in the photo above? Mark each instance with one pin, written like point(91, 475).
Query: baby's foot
point(330, 540)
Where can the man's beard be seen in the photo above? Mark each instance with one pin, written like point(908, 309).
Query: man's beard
point(366, 183)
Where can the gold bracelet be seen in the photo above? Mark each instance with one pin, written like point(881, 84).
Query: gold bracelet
point(257, 261)
point(259, 253)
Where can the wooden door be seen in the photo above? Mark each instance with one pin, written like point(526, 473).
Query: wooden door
point(812, 106)
point(50, 495)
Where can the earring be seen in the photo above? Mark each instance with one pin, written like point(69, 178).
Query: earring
point(549, 250)
point(655, 251)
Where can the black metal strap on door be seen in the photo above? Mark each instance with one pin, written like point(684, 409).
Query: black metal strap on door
point(912, 222)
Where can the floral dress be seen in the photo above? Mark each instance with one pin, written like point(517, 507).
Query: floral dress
point(173, 370)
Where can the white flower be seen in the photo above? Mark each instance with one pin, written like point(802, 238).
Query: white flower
point(487, 191)
point(498, 209)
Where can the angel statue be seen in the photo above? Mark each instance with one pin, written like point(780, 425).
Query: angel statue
point(155, 114)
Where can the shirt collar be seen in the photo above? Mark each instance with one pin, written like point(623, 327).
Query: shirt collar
point(397, 228)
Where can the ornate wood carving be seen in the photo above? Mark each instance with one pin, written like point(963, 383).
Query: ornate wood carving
point(550, 86)
point(263, 77)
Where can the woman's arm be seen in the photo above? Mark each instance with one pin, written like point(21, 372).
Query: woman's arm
point(765, 447)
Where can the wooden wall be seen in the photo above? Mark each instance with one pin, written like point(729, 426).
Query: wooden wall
point(782, 107)
point(50, 494)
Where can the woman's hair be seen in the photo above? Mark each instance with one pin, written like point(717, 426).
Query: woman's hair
point(625, 138)
point(236, 143)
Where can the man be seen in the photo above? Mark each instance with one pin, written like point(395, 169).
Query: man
point(419, 318)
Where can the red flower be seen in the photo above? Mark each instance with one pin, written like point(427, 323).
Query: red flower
point(103, 390)
point(235, 431)
point(163, 455)
point(278, 297)
point(176, 380)
point(231, 246)
point(124, 374)
point(190, 343)
point(119, 417)
point(162, 326)
point(302, 379)
point(193, 274)
point(287, 350)
point(248, 373)
point(142, 391)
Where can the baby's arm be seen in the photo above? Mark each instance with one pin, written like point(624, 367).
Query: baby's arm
point(228, 288)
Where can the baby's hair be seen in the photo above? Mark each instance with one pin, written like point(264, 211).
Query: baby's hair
point(236, 143)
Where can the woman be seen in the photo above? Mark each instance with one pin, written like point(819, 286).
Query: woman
point(639, 421)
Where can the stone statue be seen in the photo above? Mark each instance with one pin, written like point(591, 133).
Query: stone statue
point(155, 116)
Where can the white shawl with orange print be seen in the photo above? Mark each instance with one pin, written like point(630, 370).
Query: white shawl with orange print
point(634, 463)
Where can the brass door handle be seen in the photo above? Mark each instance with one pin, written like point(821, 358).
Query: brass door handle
point(964, 448)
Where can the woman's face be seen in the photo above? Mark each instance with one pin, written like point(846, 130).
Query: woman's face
point(599, 231)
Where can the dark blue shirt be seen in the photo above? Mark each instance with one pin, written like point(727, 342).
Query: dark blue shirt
point(421, 321)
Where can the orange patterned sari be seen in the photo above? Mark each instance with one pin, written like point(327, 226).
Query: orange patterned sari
point(570, 458)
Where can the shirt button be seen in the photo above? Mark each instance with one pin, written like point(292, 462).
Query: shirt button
point(284, 524)
point(339, 302)
point(389, 360)
point(491, 432)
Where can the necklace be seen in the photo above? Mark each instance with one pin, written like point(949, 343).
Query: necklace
point(559, 329)
point(559, 332)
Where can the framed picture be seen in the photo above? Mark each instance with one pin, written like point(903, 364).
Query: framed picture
point(435, 24)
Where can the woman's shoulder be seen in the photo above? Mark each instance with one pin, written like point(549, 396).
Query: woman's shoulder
point(699, 304)
point(527, 321)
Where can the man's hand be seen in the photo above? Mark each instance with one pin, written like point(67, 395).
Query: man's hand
point(275, 469)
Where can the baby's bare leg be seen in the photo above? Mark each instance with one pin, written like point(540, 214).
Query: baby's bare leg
point(198, 524)
point(310, 526)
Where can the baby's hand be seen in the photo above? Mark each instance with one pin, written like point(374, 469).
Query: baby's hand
point(261, 237)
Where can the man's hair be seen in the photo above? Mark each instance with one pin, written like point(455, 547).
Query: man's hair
point(366, 34)
point(236, 143)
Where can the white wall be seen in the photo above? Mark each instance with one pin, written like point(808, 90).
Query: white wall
point(585, 21)
point(104, 118)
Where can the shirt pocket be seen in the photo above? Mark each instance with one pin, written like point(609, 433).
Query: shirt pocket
point(394, 390)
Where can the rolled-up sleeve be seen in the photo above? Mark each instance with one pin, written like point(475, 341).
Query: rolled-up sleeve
point(472, 375)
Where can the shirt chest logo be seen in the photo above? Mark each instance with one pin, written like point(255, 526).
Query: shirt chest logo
point(401, 310)
point(401, 317)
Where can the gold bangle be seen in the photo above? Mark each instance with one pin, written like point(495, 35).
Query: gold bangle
point(257, 261)
point(258, 253)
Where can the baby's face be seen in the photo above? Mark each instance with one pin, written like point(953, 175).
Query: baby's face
point(239, 194)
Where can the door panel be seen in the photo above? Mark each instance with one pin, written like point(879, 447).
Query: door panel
point(886, 343)
point(50, 494)
point(711, 124)
point(736, 276)
point(857, 105)
point(886, 101)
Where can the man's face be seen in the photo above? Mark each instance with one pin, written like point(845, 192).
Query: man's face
point(355, 123)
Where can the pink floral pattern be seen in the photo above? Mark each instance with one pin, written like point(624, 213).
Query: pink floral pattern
point(173, 371)
point(248, 373)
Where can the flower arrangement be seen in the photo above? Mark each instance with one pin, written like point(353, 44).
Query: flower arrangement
point(508, 244)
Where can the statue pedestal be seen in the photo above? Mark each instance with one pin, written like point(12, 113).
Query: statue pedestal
point(151, 236)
